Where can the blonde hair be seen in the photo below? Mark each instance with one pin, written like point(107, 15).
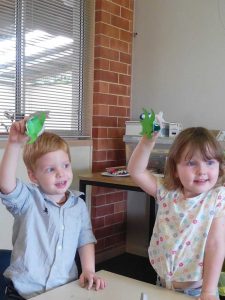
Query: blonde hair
point(194, 138)
point(45, 143)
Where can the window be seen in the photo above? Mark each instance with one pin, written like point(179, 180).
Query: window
point(44, 63)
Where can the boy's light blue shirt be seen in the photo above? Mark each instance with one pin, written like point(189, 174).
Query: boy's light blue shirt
point(45, 238)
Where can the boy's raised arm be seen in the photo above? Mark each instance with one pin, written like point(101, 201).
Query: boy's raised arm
point(8, 165)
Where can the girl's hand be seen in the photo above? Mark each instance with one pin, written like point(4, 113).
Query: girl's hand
point(90, 279)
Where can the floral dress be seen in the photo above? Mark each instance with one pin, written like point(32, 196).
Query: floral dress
point(181, 228)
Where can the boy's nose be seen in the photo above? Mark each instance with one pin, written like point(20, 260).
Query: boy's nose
point(59, 173)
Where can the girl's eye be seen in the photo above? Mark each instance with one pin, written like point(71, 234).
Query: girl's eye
point(191, 163)
point(210, 162)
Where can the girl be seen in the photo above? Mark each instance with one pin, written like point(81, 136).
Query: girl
point(188, 242)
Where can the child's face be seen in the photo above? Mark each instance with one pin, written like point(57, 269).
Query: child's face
point(196, 174)
point(53, 174)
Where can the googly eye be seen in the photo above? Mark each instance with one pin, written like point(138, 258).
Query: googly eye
point(142, 116)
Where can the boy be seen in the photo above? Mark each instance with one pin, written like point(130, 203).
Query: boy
point(50, 221)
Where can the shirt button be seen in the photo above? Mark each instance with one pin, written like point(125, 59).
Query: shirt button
point(63, 227)
point(59, 247)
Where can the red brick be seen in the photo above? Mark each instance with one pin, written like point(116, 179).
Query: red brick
point(106, 76)
point(108, 6)
point(126, 58)
point(120, 22)
point(117, 111)
point(119, 45)
point(100, 110)
point(122, 121)
point(106, 53)
point(118, 67)
point(99, 155)
point(120, 206)
point(103, 210)
point(126, 36)
point(124, 79)
point(100, 190)
point(118, 89)
point(125, 3)
point(102, 16)
point(102, 98)
point(98, 222)
point(103, 144)
point(101, 87)
point(99, 132)
point(126, 13)
point(115, 218)
point(101, 64)
point(108, 30)
point(116, 132)
point(104, 121)
point(124, 101)
point(98, 200)
point(100, 166)
point(116, 155)
point(109, 231)
point(102, 40)
point(100, 245)
point(130, 49)
point(115, 240)
point(129, 69)
point(117, 196)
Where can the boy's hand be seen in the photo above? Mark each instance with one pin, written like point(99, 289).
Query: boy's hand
point(17, 132)
point(91, 279)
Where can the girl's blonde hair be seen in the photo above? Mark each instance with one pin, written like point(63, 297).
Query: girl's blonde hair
point(45, 143)
point(194, 138)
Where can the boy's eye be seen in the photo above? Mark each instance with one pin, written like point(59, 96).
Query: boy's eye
point(66, 165)
point(49, 170)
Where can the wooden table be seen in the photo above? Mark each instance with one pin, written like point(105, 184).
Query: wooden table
point(97, 179)
point(118, 288)
point(122, 183)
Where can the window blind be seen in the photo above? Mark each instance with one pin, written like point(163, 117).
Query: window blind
point(43, 63)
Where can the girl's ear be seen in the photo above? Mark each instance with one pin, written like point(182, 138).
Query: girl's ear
point(32, 176)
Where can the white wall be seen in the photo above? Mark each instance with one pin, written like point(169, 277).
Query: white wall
point(179, 59)
point(178, 68)
point(81, 163)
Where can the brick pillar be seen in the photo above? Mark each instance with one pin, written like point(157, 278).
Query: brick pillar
point(111, 108)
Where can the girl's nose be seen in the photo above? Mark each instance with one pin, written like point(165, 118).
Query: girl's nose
point(201, 169)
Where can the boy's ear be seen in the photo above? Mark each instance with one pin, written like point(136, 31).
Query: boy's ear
point(32, 176)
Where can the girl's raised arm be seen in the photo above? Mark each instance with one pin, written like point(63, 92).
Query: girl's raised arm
point(137, 166)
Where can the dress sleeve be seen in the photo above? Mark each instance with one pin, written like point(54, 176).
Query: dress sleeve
point(161, 190)
point(220, 202)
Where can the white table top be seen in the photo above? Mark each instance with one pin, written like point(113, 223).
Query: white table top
point(118, 288)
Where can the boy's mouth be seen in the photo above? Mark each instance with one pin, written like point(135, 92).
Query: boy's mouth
point(61, 184)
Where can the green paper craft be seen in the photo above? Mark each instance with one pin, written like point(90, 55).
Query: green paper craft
point(148, 123)
point(35, 125)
